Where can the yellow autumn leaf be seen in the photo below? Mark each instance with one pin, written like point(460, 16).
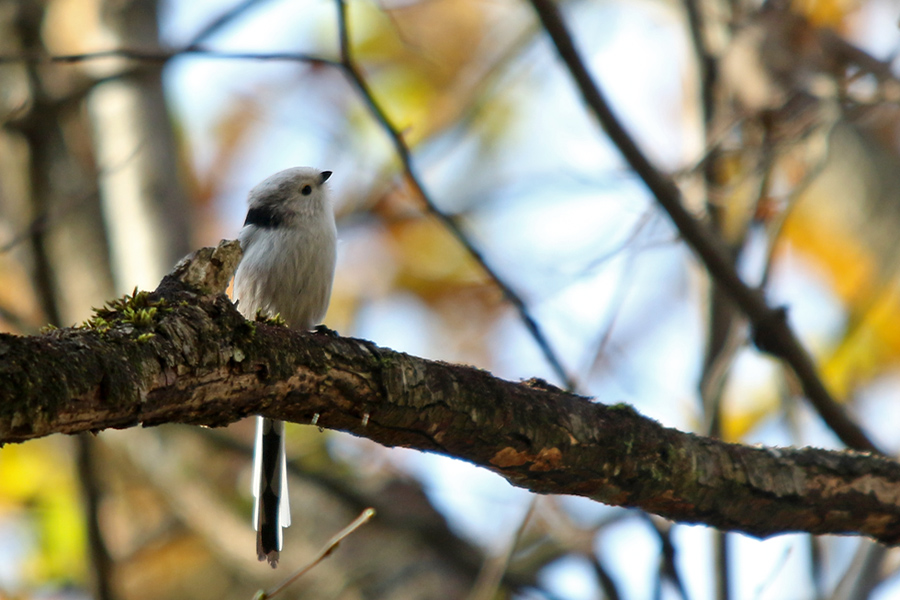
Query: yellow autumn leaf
point(825, 13)
point(839, 252)
point(37, 483)
point(428, 254)
point(870, 347)
point(736, 424)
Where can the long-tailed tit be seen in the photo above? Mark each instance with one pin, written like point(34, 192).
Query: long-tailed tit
point(289, 241)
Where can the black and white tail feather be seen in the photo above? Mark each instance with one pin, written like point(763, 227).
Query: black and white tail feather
point(271, 507)
point(289, 244)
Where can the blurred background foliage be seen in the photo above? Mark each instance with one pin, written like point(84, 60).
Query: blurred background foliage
point(779, 122)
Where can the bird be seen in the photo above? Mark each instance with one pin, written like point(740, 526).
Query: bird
point(289, 243)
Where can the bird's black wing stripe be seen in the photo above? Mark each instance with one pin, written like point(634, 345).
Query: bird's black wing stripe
point(267, 217)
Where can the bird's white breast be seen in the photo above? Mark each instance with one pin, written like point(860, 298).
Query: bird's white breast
point(287, 270)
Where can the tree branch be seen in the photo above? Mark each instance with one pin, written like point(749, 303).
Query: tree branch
point(162, 56)
point(771, 331)
point(184, 354)
point(406, 159)
point(348, 65)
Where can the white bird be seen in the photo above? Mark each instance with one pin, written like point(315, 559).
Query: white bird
point(289, 243)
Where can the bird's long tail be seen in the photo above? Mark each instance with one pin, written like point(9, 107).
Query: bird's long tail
point(271, 510)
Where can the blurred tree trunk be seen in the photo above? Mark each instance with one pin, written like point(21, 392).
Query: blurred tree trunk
point(144, 204)
point(51, 185)
point(52, 199)
point(49, 180)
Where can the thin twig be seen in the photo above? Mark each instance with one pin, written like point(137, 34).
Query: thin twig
point(163, 56)
point(722, 564)
point(604, 579)
point(667, 570)
point(769, 324)
point(776, 229)
point(88, 475)
point(492, 573)
point(863, 574)
point(725, 337)
point(405, 155)
point(437, 537)
point(330, 547)
point(706, 63)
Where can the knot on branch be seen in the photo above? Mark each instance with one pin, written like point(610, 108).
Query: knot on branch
point(208, 270)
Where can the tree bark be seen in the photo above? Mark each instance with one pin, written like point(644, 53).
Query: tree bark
point(184, 354)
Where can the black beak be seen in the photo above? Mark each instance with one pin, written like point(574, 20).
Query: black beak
point(323, 176)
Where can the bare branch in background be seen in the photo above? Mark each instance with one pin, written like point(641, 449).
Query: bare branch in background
point(604, 579)
point(405, 155)
point(326, 551)
point(771, 331)
point(348, 65)
point(161, 56)
point(706, 63)
point(668, 564)
point(88, 477)
point(495, 568)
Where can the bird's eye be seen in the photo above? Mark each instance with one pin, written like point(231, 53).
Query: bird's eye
point(306, 190)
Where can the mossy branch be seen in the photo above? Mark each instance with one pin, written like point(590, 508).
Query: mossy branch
point(195, 359)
